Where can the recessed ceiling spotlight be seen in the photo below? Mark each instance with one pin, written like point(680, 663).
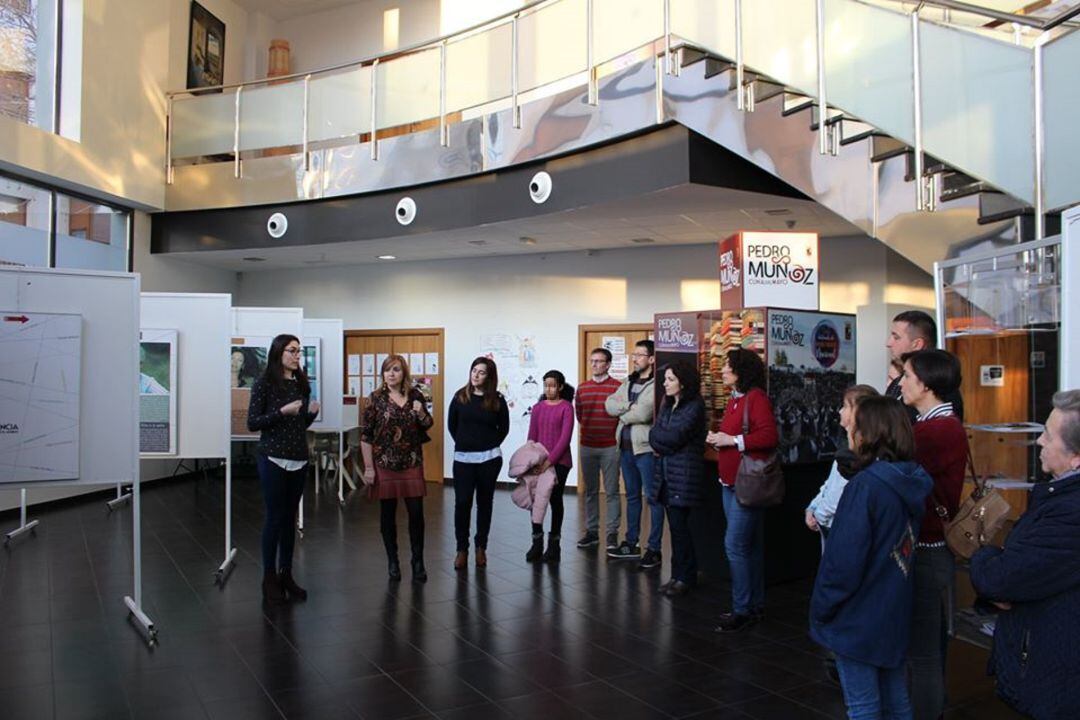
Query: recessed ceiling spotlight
point(254, 259)
point(778, 211)
point(642, 241)
point(388, 257)
point(478, 242)
point(527, 240)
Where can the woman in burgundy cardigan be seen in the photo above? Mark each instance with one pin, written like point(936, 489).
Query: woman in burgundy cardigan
point(941, 447)
point(744, 539)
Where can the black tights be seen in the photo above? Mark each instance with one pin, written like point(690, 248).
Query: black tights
point(414, 506)
point(561, 473)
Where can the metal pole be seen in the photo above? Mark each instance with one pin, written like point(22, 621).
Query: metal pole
point(374, 108)
point(444, 135)
point(237, 169)
point(592, 98)
point(739, 67)
point(515, 110)
point(24, 527)
point(168, 141)
point(939, 311)
point(1040, 139)
point(659, 92)
point(134, 602)
point(916, 84)
point(222, 573)
point(307, 95)
point(667, 36)
point(823, 106)
point(341, 467)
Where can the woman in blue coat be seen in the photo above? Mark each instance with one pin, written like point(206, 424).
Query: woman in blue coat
point(862, 602)
point(677, 438)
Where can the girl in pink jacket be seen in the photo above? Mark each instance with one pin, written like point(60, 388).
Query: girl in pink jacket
point(551, 424)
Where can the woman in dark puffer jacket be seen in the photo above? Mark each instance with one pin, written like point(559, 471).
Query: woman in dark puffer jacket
point(677, 437)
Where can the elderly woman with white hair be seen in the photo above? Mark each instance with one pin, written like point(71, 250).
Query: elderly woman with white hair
point(1035, 581)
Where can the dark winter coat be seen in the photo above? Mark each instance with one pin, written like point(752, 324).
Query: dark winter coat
point(862, 601)
point(678, 438)
point(1036, 654)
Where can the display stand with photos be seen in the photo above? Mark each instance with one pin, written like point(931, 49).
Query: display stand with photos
point(253, 329)
point(323, 361)
point(1000, 312)
point(70, 343)
point(184, 385)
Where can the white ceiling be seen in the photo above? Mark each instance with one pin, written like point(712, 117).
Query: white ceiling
point(686, 215)
point(285, 9)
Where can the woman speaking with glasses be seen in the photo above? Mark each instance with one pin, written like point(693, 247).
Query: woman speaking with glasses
point(281, 410)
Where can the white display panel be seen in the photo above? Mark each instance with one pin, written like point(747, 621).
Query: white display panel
point(203, 324)
point(39, 396)
point(255, 328)
point(331, 337)
point(108, 443)
point(157, 392)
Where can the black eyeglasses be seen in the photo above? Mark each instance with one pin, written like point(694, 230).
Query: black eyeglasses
point(292, 351)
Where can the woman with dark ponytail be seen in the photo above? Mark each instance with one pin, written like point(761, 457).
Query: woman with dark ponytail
point(552, 424)
point(281, 409)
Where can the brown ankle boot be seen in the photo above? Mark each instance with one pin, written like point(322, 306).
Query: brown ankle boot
point(481, 557)
point(461, 560)
point(273, 593)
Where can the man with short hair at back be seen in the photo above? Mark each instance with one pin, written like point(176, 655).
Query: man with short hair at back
point(910, 332)
point(599, 453)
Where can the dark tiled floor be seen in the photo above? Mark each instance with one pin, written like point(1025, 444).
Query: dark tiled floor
point(585, 639)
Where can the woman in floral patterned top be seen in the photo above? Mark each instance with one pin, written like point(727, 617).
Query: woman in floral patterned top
point(393, 428)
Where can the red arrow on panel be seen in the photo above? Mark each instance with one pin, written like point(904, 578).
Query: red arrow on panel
point(16, 318)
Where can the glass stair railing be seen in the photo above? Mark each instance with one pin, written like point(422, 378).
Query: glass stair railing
point(965, 99)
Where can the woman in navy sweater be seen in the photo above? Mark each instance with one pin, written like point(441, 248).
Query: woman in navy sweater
point(861, 605)
point(478, 421)
point(678, 439)
point(941, 447)
point(281, 409)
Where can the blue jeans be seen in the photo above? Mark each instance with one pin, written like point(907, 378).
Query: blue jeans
point(744, 544)
point(873, 693)
point(637, 472)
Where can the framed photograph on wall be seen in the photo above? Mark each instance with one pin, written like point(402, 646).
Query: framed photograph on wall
point(206, 49)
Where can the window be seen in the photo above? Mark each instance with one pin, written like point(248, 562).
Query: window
point(28, 61)
point(43, 227)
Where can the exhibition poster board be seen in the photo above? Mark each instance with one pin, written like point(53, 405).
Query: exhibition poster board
point(40, 359)
point(324, 351)
point(101, 366)
point(157, 392)
point(203, 326)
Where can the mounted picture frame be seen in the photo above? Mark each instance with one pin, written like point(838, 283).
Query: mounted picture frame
point(206, 49)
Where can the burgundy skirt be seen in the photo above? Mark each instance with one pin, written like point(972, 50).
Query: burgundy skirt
point(398, 483)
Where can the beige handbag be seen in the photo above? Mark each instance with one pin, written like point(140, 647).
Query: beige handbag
point(978, 520)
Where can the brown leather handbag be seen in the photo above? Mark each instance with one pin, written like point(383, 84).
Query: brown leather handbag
point(758, 483)
point(978, 520)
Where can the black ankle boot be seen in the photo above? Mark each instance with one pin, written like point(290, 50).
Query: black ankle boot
point(288, 584)
point(553, 553)
point(273, 593)
point(393, 568)
point(536, 552)
point(419, 574)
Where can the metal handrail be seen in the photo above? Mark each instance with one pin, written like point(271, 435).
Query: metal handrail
point(507, 17)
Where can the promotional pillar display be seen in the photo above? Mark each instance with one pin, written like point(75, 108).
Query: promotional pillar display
point(769, 268)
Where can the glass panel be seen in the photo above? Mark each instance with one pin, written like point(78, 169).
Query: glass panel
point(551, 44)
point(408, 89)
point(203, 125)
point(24, 224)
point(709, 23)
point(478, 68)
point(339, 105)
point(272, 116)
point(90, 236)
point(978, 100)
point(622, 25)
point(1061, 58)
point(28, 61)
point(868, 65)
point(780, 41)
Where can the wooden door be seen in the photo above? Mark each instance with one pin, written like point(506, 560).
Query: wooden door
point(418, 347)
